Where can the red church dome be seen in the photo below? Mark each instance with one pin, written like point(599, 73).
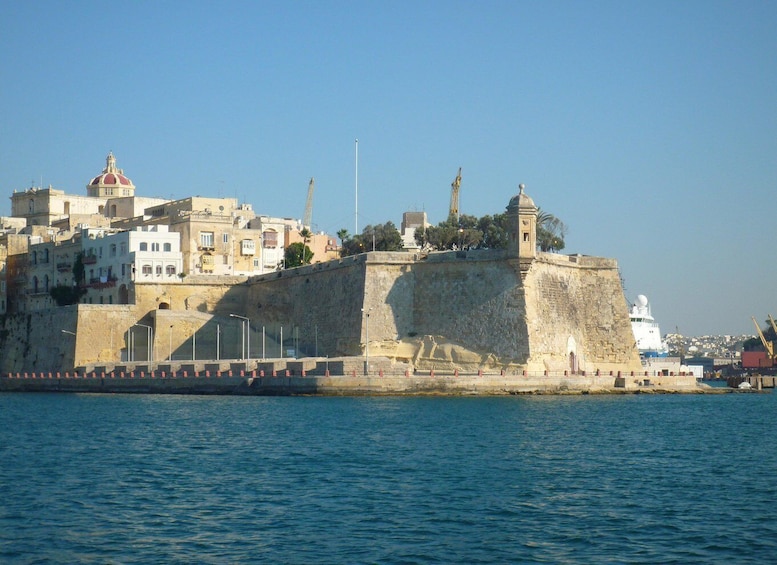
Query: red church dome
point(110, 180)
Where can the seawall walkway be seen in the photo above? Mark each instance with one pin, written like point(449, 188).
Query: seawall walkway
point(285, 383)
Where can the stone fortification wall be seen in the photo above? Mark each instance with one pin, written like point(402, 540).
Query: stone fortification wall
point(442, 311)
point(210, 294)
point(108, 333)
point(454, 310)
point(318, 307)
point(577, 315)
point(36, 340)
point(472, 305)
point(21, 337)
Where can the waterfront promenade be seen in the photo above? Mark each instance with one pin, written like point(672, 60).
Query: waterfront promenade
point(335, 377)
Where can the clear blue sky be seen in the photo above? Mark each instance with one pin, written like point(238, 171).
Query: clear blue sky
point(649, 128)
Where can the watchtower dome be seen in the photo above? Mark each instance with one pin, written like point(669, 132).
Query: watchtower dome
point(111, 182)
point(522, 226)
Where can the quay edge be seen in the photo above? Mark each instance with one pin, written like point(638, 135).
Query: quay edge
point(241, 382)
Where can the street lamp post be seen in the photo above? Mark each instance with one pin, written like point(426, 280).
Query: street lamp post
point(243, 325)
point(170, 357)
point(367, 341)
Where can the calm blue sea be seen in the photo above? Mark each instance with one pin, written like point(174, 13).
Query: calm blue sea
point(526, 479)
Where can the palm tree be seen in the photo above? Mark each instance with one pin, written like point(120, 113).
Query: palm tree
point(550, 231)
point(343, 235)
point(306, 235)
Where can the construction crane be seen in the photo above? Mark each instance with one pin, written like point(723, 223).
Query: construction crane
point(768, 345)
point(307, 219)
point(774, 326)
point(455, 185)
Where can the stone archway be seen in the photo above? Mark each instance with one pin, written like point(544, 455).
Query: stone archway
point(123, 294)
point(572, 354)
point(164, 305)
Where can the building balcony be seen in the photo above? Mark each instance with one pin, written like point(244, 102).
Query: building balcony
point(89, 259)
point(34, 291)
point(96, 283)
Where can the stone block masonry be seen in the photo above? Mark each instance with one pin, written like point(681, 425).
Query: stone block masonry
point(447, 311)
point(456, 310)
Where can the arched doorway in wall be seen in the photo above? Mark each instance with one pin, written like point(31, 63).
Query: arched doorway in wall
point(572, 354)
point(123, 294)
point(164, 305)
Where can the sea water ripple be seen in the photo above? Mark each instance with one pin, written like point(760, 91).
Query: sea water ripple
point(529, 479)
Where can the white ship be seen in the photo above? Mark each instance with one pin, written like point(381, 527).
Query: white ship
point(646, 330)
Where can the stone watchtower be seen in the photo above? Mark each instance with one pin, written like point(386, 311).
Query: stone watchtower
point(522, 229)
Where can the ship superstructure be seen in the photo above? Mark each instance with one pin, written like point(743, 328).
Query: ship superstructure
point(646, 331)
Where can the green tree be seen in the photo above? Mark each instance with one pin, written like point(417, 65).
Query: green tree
point(451, 234)
point(384, 237)
point(469, 232)
point(79, 271)
point(297, 254)
point(67, 295)
point(494, 230)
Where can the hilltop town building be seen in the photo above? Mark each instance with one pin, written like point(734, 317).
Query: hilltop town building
point(110, 195)
point(193, 236)
point(411, 221)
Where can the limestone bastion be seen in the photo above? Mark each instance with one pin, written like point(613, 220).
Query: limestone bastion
point(465, 310)
point(509, 310)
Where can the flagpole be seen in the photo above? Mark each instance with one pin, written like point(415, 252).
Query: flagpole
point(356, 212)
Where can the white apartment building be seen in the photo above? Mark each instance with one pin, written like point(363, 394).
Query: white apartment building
point(156, 253)
point(113, 260)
